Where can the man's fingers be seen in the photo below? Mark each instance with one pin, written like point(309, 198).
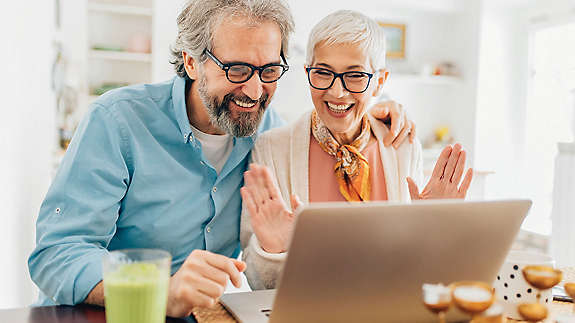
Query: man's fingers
point(402, 136)
point(380, 112)
point(412, 132)
point(441, 162)
point(413, 189)
point(466, 183)
point(210, 287)
point(240, 265)
point(397, 121)
point(226, 265)
point(197, 298)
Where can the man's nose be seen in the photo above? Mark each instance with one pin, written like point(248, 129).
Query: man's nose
point(253, 87)
point(337, 90)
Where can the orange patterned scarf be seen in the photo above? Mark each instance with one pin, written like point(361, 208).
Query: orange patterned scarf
point(351, 168)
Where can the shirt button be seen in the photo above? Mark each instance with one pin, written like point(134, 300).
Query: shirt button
point(57, 210)
point(208, 229)
point(215, 189)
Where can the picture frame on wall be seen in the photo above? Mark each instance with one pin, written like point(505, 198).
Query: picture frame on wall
point(395, 39)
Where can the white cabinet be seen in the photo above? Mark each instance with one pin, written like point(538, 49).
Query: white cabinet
point(105, 44)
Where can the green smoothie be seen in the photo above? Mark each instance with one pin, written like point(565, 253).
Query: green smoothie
point(136, 293)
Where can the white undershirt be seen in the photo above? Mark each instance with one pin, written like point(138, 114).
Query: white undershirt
point(216, 148)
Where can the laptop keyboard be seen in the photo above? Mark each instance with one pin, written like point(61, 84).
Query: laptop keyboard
point(267, 312)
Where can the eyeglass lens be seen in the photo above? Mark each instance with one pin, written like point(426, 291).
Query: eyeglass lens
point(324, 79)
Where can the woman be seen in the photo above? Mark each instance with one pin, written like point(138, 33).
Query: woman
point(336, 151)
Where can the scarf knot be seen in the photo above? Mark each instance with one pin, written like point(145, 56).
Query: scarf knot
point(351, 168)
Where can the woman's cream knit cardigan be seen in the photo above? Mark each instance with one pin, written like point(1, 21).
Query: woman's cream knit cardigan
point(285, 151)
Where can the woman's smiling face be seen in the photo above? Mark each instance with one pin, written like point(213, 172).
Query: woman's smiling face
point(342, 111)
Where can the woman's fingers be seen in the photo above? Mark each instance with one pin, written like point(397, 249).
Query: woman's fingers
point(456, 178)
point(255, 183)
point(466, 183)
point(295, 202)
point(441, 162)
point(268, 181)
point(249, 202)
point(450, 167)
point(413, 189)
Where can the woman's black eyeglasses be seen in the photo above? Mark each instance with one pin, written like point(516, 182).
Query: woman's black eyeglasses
point(353, 81)
point(241, 72)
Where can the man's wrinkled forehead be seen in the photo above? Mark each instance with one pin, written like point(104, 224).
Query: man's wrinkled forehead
point(241, 36)
point(238, 20)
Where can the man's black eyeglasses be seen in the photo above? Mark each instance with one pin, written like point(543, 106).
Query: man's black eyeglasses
point(353, 81)
point(241, 72)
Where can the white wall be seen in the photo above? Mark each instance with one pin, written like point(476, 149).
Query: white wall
point(501, 101)
point(27, 139)
point(164, 33)
point(503, 90)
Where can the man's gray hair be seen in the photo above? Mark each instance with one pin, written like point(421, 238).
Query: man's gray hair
point(197, 22)
point(346, 26)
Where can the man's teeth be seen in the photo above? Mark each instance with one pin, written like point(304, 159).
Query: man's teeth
point(338, 107)
point(244, 104)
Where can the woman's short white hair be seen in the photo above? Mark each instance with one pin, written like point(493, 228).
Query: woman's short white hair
point(347, 26)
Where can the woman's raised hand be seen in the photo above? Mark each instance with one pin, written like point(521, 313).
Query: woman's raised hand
point(271, 221)
point(446, 176)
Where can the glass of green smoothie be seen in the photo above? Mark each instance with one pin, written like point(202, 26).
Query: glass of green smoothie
point(136, 285)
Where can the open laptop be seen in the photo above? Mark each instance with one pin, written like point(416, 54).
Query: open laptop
point(366, 262)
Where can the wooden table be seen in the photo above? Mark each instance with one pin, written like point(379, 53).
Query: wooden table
point(64, 314)
point(218, 314)
point(94, 314)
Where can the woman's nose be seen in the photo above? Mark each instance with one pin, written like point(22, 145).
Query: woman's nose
point(337, 89)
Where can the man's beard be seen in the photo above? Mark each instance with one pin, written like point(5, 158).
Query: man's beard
point(245, 124)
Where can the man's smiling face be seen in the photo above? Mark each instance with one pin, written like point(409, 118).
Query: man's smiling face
point(237, 109)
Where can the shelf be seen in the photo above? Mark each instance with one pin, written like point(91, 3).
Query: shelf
point(121, 56)
point(430, 80)
point(120, 9)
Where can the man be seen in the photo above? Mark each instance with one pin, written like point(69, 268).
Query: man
point(161, 165)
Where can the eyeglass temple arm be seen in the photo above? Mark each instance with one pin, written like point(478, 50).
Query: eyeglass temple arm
point(213, 58)
point(283, 58)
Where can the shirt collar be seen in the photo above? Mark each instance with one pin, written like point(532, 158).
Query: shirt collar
point(179, 102)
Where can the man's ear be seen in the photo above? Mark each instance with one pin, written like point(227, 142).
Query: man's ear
point(382, 76)
point(190, 65)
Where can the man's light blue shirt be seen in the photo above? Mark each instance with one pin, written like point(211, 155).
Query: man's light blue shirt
point(134, 176)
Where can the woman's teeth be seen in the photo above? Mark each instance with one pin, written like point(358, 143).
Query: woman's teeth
point(338, 108)
point(244, 104)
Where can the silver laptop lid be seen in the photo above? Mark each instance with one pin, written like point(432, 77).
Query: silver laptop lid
point(367, 262)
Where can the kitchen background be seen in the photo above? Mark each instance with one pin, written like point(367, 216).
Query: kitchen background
point(496, 75)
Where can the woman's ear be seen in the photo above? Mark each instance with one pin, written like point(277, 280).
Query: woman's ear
point(381, 79)
point(190, 66)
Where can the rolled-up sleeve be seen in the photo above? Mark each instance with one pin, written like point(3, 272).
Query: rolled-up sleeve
point(78, 217)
